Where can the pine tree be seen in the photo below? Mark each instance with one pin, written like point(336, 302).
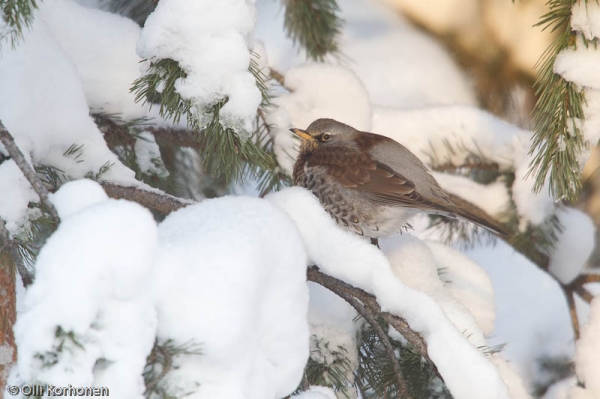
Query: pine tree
point(213, 155)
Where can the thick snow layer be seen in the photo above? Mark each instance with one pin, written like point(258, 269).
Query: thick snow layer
point(38, 78)
point(238, 266)
point(587, 361)
point(415, 264)
point(574, 244)
point(352, 259)
point(585, 17)
point(101, 45)
point(210, 40)
point(317, 91)
point(579, 66)
point(468, 282)
point(92, 282)
point(76, 196)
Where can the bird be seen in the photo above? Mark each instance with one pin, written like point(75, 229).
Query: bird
point(370, 184)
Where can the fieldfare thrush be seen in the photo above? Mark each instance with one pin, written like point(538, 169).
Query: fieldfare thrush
point(370, 184)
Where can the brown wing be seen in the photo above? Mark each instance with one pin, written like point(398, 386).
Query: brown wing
point(375, 180)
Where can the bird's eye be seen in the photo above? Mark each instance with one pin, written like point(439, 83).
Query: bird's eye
point(326, 137)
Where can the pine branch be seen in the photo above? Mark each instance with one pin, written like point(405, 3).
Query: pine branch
point(160, 202)
point(315, 25)
point(557, 141)
point(16, 154)
point(570, 296)
point(367, 314)
point(18, 15)
point(224, 151)
point(343, 290)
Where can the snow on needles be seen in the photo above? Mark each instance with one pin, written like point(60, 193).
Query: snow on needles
point(210, 41)
point(43, 105)
point(90, 299)
point(352, 259)
point(574, 244)
point(580, 65)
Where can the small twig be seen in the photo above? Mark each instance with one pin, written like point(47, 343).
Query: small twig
point(16, 154)
point(166, 366)
point(341, 288)
point(401, 384)
point(584, 294)
point(277, 76)
point(163, 203)
point(572, 311)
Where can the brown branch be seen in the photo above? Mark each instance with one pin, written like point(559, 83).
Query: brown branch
point(277, 76)
point(116, 134)
point(167, 364)
point(160, 202)
point(572, 311)
point(8, 317)
point(367, 314)
point(17, 156)
point(343, 289)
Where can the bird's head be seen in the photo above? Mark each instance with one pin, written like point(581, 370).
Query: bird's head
point(324, 132)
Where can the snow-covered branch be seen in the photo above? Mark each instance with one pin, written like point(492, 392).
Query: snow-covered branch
point(372, 308)
point(9, 143)
point(154, 200)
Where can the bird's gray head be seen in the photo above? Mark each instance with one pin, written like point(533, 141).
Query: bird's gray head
point(324, 132)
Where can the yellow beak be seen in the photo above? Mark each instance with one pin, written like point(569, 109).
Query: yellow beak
point(302, 134)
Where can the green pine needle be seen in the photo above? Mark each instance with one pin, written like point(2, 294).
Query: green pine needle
point(224, 152)
point(556, 142)
point(18, 15)
point(315, 25)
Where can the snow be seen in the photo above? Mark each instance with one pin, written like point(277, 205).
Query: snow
point(76, 196)
point(238, 264)
point(316, 392)
point(108, 68)
point(352, 259)
point(579, 66)
point(16, 195)
point(587, 363)
point(38, 78)
point(574, 245)
point(532, 317)
point(585, 17)
point(148, 155)
point(210, 41)
point(468, 282)
point(249, 304)
point(383, 49)
point(92, 281)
